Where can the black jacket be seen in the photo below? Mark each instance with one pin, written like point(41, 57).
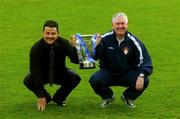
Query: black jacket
point(40, 57)
point(131, 54)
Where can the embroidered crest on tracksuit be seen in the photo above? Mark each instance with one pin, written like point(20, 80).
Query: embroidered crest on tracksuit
point(125, 50)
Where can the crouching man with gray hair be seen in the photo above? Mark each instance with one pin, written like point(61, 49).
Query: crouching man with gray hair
point(124, 61)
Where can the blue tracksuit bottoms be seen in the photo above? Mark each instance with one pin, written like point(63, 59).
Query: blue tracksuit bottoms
point(102, 80)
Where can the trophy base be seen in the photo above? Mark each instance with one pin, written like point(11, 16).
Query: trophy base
point(87, 65)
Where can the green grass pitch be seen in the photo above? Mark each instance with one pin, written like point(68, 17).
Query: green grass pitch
point(155, 22)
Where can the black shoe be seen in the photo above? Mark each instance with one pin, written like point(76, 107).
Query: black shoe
point(129, 103)
point(59, 103)
point(107, 102)
point(62, 103)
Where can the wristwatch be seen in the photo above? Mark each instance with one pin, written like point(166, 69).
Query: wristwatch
point(141, 75)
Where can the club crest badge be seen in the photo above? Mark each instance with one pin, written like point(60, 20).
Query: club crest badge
point(125, 50)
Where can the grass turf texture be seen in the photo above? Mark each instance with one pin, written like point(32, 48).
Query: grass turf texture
point(155, 22)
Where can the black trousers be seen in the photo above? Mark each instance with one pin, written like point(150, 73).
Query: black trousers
point(68, 81)
point(102, 80)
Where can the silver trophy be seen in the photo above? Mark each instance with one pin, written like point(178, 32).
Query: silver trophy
point(84, 46)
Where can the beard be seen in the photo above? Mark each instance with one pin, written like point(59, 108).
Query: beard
point(50, 41)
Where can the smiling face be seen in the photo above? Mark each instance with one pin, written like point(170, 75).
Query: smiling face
point(120, 26)
point(50, 34)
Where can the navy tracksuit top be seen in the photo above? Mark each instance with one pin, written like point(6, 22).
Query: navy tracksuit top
point(130, 54)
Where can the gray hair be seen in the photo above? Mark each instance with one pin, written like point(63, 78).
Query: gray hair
point(120, 14)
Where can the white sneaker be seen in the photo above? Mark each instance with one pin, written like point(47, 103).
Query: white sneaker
point(129, 103)
point(107, 102)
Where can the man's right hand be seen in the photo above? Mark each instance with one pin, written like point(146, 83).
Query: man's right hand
point(73, 40)
point(41, 103)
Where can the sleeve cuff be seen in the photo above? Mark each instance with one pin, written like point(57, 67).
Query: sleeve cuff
point(40, 93)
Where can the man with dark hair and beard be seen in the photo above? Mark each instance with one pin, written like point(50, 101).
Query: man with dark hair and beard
point(47, 65)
